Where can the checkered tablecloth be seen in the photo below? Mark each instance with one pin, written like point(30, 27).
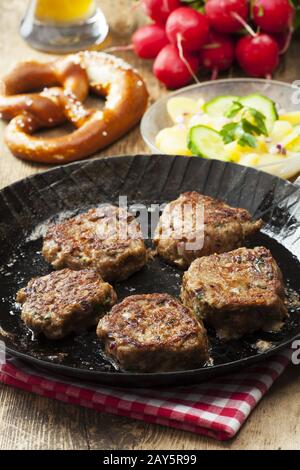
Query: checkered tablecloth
point(217, 408)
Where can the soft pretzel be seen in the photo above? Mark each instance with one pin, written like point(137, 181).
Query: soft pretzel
point(66, 84)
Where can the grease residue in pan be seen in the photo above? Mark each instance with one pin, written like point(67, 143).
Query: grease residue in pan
point(26, 206)
point(84, 351)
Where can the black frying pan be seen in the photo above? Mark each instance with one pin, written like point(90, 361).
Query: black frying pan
point(27, 206)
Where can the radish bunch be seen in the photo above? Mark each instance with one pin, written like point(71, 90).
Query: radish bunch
point(190, 35)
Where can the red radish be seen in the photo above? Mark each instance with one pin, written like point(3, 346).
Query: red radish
point(149, 40)
point(190, 26)
point(258, 56)
point(283, 40)
point(273, 16)
point(171, 70)
point(218, 53)
point(222, 14)
point(159, 10)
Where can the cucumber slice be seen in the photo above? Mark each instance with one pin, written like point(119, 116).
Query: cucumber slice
point(264, 105)
point(220, 106)
point(206, 143)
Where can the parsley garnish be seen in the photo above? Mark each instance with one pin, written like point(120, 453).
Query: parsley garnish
point(252, 123)
point(234, 109)
point(238, 131)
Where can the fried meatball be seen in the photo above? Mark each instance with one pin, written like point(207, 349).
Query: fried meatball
point(236, 293)
point(153, 333)
point(195, 225)
point(65, 301)
point(107, 239)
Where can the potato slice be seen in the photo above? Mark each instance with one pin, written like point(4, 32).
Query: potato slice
point(233, 151)
point(280, 130)
point(268, 159)
point(173, 141)
point(249, 159)
point(294, 146)
point(180, 108)
point(293, 118)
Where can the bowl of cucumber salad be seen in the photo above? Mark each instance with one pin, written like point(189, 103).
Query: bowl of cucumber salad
point(250, 122)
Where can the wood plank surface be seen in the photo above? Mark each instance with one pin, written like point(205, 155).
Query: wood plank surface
point(31, 422)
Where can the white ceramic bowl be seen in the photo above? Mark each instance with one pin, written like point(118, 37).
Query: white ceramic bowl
point(284, 94)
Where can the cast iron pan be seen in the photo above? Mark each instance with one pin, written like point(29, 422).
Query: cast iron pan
point(27, 206)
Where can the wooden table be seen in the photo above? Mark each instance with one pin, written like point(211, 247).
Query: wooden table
point(31, 422)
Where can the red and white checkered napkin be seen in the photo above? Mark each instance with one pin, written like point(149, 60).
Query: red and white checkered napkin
point(217, 408)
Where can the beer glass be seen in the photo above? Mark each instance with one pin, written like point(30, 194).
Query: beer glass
point(63, 26)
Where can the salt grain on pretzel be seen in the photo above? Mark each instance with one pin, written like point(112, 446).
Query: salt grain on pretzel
point(66, 84)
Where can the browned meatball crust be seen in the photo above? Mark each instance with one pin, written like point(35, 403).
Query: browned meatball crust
point(65, 301)
point(236, 293)
point(223, 228)
point(107, 239)
point(153, 333)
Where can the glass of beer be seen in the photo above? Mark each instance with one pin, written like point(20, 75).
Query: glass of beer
point(62, 26)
